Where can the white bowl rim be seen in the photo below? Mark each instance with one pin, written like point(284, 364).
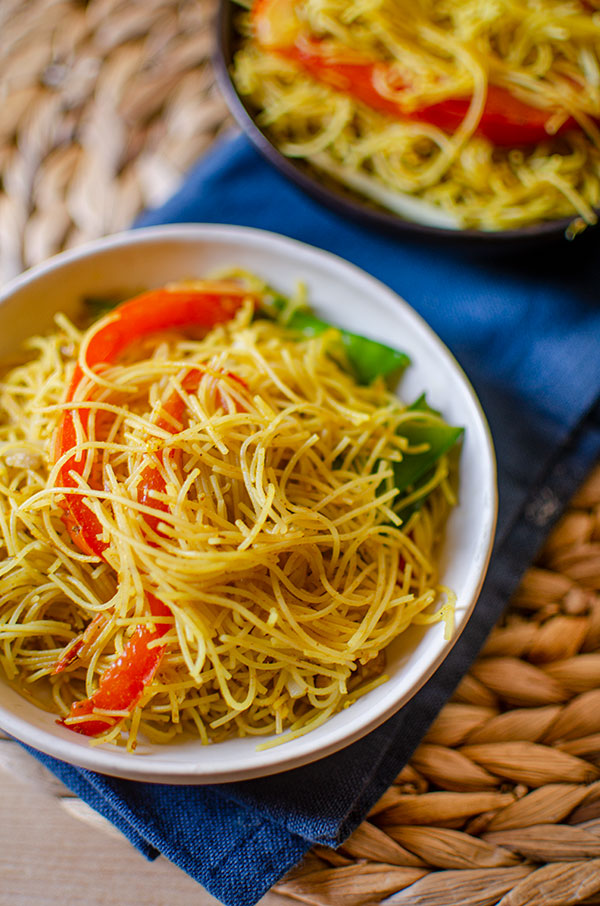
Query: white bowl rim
point(117, 762)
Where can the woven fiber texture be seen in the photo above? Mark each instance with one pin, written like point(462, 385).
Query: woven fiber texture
point(103, 106)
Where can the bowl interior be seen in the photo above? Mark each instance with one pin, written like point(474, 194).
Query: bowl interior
point(332, 194)
point(346, 296)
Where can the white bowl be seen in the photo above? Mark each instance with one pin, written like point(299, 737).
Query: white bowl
point(344, 295)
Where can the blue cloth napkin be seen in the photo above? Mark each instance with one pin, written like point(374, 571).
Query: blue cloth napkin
point(525, 325)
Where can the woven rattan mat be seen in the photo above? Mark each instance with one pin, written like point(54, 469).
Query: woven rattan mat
point(103, 106)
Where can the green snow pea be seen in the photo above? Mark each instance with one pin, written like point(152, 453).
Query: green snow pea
point(368, 358)
point(431, 430)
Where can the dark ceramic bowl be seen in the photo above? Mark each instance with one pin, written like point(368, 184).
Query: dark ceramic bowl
point(331, 193)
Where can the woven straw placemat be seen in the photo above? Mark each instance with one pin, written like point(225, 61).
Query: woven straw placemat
point(103, 106)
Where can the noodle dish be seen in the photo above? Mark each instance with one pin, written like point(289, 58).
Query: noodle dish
point(231, 518)
point(222, 523)
point(457, 114)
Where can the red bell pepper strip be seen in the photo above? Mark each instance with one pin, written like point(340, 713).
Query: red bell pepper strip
point(505, 121)
point(161, 309)
point(123, 683)
point(73, 648)
point(121, 686)
point(152, 483)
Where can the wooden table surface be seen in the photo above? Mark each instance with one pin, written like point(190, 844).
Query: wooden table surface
point(52, 853)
